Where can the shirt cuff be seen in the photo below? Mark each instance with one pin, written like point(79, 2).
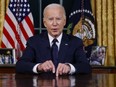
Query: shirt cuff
point(35, 68)
point(72, 68)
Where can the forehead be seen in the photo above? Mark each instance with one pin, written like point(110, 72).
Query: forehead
point(54, 13)
point(54, 10)
point(53, 6)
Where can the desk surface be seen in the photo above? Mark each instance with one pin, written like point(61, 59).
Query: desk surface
point(10, 68)
point(48, 80)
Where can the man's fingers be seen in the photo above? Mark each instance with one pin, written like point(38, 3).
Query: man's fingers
point(62, 69)
point(52, 66)
point(66, 69)
point(59, 69)
point(48, 66)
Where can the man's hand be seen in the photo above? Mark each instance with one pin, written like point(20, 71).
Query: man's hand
point(46, 66)
point(62, 69)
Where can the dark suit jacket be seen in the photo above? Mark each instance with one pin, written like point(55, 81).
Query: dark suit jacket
point(38, 51)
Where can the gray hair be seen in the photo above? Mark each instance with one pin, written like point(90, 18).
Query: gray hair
point(54, 5)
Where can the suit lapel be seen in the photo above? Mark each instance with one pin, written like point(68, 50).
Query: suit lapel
point(63, 48)
point(46, 46)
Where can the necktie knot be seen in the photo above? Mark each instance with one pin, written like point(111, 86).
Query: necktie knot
point(54, 41)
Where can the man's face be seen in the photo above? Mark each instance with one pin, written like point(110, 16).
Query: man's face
point(54, 20)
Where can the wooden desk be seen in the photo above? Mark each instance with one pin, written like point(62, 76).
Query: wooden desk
point(10, 68)
point(104, 69)
point(48, 80)
point(7, 68)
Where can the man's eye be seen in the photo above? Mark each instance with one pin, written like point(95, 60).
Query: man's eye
point(58, 18)
point(50, 19)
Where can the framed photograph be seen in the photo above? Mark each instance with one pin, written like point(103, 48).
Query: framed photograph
point(7, 56)
point(98, 55)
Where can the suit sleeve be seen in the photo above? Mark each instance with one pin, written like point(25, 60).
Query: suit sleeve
point(26, 62)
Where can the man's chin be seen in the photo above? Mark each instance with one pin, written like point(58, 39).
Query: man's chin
point(56, 34)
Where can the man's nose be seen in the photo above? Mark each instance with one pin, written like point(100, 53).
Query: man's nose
point(54, 22)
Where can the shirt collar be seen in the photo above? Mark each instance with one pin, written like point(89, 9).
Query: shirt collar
point(58, 38)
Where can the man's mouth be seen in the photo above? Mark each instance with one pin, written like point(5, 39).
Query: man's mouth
point(54, 30)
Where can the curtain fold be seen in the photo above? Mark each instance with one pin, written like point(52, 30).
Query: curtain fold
point(105, 15)
point(110, 35)
point(3, 7)
point(115, 28)
point(2, 12)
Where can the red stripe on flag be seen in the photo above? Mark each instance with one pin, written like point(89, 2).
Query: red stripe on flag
point(9, 38)
point(10, 22)
point(23, 31)
point(29, 22)
point(21, 46)
point(3, 45)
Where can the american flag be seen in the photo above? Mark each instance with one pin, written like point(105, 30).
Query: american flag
point(18, 26)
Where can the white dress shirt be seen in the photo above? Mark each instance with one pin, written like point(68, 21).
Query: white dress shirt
point(58, 44)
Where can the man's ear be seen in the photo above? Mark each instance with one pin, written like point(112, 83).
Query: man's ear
point(64, 22)
point(44, 22)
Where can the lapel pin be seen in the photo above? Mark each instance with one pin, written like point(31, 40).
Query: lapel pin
point(66, 44)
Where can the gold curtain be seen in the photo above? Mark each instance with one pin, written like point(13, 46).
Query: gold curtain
point(105, 17)
point(3, 7)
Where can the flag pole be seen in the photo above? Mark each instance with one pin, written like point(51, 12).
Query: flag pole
point(18, 34)
point(40, 11)
point(61, 2)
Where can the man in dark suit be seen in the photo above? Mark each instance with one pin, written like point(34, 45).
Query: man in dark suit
point(38, 56)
